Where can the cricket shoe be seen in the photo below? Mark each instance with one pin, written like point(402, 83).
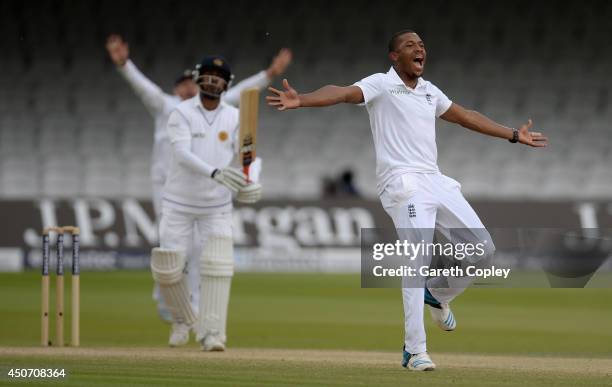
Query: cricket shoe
point(179, 334)
point(441, 313)
point(443, 317)
point(212, 343)
point(417, 362)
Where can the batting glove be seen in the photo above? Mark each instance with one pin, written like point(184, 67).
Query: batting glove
point(249, 194)
point(231, 178)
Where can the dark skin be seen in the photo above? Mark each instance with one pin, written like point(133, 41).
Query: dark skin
point(408, 59)
point(210, 103)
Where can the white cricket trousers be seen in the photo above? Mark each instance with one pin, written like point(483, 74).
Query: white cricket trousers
point(193, 252)
point(419, 203)
point(180, 230)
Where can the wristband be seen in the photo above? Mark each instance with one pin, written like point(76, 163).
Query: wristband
point(515, 136)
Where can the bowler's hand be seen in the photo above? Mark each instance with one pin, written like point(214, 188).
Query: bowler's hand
point(534, 139)
point(283, 100)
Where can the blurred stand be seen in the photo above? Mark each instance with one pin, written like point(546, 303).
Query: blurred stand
point(342, 186)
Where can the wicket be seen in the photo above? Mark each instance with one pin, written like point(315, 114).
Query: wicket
point(59, 304)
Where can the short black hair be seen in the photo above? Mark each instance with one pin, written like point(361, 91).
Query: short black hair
point(393, 40)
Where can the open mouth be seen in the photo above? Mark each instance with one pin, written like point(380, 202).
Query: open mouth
point(419, 61)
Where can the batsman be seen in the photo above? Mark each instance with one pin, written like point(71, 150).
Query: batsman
point(197, 197)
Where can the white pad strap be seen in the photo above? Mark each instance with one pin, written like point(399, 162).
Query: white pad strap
point(217, 268)
point(167, 267)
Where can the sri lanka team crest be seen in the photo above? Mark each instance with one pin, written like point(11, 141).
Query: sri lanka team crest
point(223, 136)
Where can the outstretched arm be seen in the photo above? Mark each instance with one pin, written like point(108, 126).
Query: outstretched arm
point(151, 95)
point(473, 120)
point(262, 79)
point(325, 96)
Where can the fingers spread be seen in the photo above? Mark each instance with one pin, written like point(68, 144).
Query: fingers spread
point(286, 84)
point(538, 145)
point(275, 91)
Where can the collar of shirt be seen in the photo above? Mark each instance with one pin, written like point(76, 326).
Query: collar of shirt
point(197, 103)
point(395, 78)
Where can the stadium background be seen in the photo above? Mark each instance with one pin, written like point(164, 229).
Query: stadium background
point(75, 144)
point(75, 141)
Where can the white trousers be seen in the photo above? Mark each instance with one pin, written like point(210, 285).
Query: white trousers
point(419, 203)
point(188, 232)
point(193, 252)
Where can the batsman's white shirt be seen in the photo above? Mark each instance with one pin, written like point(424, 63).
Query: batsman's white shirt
point(212, 135)
point(403, 122)
point(159, 105)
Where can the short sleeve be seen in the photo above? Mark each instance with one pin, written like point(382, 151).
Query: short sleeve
point(178, 127)
point(443, 102)
point(370, 87)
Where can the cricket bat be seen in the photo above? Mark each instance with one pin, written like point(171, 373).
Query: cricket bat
point(249, 109)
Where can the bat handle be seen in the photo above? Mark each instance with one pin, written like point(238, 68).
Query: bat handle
point(245, 169)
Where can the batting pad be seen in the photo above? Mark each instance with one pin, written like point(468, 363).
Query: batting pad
point(217, 269)
point(217, 258)
point(167, 267)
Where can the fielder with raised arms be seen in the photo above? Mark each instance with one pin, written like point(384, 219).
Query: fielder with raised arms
point(403, 108)
point(160, 104)
point(203, 131)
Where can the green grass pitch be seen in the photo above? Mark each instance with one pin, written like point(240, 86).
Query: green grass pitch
point(324, 313)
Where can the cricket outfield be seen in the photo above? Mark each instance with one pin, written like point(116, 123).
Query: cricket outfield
point(293, 329)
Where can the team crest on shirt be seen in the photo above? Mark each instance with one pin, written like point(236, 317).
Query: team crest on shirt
point(223, 136)
point(411, 211)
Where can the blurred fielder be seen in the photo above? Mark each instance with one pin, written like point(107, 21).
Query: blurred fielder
point(203, 131)
point(403, 108)
point(160, 104)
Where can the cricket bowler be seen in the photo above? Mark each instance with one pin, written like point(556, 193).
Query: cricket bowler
point(403, 108)
point(197, 198)
point(159, 104)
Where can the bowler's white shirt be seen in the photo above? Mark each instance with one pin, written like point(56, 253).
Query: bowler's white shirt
point(212, 135)
point(403, 123)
